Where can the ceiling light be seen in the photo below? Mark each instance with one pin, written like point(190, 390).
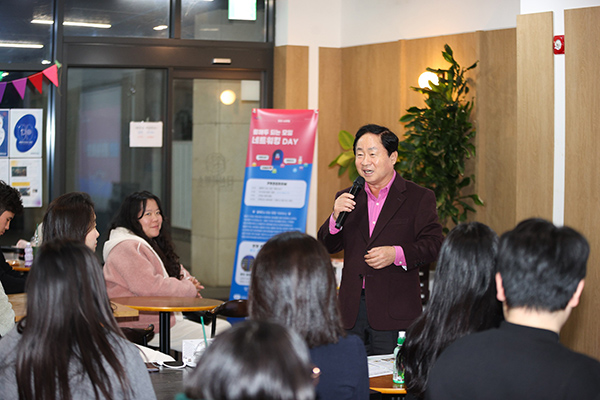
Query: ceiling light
point(87, 24)
point(160, 27)
point(21, 45)
point(73, 23)
point(42, 21)
point(46, 62)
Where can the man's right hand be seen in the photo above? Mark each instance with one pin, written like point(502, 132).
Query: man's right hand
point(344, 202)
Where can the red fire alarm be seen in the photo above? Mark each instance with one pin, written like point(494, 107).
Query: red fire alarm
point(558, 44)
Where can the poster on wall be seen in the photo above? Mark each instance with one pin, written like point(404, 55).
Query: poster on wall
point(25, 137)
point(276, 185)
point(4, 170)
point(25, 175)
point(4, 126)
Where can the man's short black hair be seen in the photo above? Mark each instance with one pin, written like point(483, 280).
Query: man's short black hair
point(388, 138)
point(541, 264)
point(10, 199)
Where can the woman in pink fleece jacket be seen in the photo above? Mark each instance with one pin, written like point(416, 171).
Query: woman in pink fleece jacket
point(140, 261)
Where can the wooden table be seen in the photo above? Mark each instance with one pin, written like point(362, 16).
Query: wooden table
point(18, 265)
point(385, 384)
point(164, 306)
point(19, 305)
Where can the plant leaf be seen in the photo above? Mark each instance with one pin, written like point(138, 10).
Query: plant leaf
point(346, 140)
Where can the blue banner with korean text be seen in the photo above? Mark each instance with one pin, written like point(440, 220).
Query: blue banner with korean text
point(276, 185)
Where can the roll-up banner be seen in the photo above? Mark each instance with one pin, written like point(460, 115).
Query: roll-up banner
point(276, 185)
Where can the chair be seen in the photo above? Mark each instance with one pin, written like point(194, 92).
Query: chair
point(138, 335)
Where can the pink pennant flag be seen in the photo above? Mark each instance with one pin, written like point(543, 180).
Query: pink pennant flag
point(37, 79)
point(2, 87)
point(51, 73)
point(20, 85)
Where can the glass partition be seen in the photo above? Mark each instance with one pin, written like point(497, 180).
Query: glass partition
point(117, 18)
point(101, 105)
point(26, 31)
point(240, 20)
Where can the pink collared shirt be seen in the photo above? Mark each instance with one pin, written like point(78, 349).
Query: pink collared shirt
point(374, 207)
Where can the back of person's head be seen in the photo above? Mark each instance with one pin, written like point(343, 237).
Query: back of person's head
point(541, 265)
point(464, 285)
point(254, 360)
point(68, 318)
point(388, 138)
point(10, 199)
point(293, 283)
point(463, 300)
point(70, 216)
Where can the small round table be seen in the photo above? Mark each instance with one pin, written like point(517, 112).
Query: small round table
point(385, 384)
point(164, 306)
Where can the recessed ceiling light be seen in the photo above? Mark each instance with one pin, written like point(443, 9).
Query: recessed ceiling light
point(42, 21)
point(87, 24)
point(21, 45)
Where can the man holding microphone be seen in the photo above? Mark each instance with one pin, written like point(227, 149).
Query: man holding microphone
point(387, 231)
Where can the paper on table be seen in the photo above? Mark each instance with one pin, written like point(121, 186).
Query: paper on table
point(381, 365)
point(150, 355)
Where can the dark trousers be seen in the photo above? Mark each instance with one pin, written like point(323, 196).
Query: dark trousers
point(376, 342)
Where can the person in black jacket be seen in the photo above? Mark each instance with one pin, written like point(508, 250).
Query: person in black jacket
point(10, 205)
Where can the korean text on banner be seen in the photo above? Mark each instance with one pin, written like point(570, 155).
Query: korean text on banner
point(276, 185)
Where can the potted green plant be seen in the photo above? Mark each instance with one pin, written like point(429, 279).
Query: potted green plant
point(437, 143)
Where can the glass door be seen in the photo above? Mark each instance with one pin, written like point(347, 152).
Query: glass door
point(211, 121)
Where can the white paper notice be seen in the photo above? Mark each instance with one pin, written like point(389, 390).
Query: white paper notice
point(145, 134)
point(26, 177)
point(275, 193)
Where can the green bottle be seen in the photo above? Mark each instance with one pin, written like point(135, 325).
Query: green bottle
point(398, 376)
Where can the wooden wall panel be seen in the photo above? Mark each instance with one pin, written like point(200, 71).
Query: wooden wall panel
point(330, 116)
point(496, 116)
point(582, 186)
point(535, 116)
point(290, 77)
point(370, 85)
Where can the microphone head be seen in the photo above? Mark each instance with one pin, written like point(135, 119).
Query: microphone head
point(359, 181)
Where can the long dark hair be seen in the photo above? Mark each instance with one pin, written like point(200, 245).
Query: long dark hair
point(463, 300)
point(69, 319)
point(293, 283)
point(129, 217)
point(70, 216)
point(254, 360)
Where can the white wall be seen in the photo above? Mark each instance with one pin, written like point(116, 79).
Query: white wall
point(376, 21)
point(558, 8)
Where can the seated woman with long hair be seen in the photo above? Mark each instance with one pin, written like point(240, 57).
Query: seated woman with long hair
point(140, 260)
point(463, 300)
point(254, 360)
point(293, 283)
point(69, 345)
point(71, 217)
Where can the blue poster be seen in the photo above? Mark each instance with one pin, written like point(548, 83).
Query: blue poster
point(4, 127)
point(276, 185)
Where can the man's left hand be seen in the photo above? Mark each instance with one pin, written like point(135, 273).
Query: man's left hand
point(380, 257)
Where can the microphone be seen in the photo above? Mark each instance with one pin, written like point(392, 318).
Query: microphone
point(358, 184)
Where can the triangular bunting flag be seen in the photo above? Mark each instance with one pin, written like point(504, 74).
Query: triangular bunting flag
point(37, 79)
point(2, 87)
point(51, 73)
point(20, 85)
